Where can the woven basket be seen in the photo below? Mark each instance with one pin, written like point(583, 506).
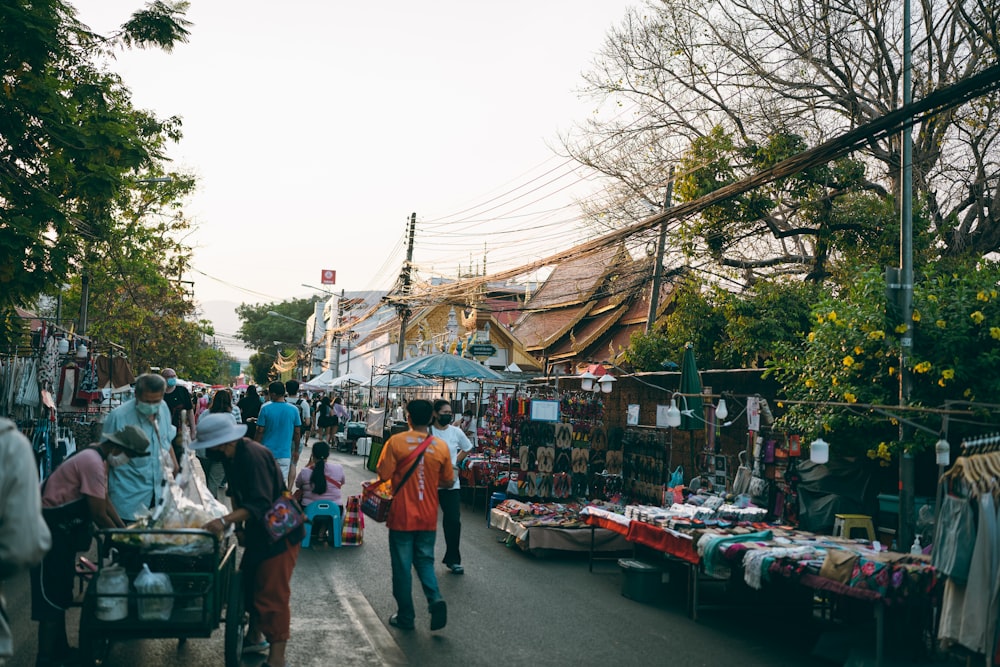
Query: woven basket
point(374, 505)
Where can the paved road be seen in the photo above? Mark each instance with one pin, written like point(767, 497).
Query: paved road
point(509, 608)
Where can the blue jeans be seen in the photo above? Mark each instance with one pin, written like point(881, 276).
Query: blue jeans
point(412, 549)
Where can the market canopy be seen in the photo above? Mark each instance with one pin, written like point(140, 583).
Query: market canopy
point(693, 414)
point(348, 378)
point(444, 365)
point(401, 380)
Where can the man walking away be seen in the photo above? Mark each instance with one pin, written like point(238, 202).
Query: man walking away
point(302, 404)
point(412, 518)
point(278, 429)
point(459, 446)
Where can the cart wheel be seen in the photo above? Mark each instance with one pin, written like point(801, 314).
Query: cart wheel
point(93, 650)
point(235, 620)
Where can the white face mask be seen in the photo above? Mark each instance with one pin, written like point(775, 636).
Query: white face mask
point(115, 460)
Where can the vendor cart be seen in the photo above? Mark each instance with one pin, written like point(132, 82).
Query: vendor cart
point(205, 590)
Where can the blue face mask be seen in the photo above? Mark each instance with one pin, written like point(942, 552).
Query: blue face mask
point(171, 382)
point(147, 409)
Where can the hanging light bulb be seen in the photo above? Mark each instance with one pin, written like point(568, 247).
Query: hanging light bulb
point(942, 452)
point(63, 346)
point(607, 383)
point(721, 411)
point(673, 414)
point(81, 350)
point(819, 451)
point(587, 380)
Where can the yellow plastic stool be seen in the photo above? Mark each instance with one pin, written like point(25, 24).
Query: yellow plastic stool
point(844, 524)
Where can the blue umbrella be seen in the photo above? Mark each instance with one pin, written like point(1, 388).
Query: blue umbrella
point(444, 365)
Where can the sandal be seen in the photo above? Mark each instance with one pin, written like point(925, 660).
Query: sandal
point(259, 647)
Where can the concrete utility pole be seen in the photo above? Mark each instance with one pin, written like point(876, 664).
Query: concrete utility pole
point(338, 336)
point(907, 476)
point(654, 295)
point(404, 289)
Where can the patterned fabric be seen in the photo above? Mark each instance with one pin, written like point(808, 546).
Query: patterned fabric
point(354, 523)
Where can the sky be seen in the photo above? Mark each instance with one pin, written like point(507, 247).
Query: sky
point(315, 128)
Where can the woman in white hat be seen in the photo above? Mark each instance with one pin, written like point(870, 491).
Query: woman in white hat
point(255, 482)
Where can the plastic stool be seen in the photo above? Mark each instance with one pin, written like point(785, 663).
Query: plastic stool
point(324, 508)
point(495, 500)
point(844, 524)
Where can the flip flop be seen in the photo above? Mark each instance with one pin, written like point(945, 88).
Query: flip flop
point(260, 647)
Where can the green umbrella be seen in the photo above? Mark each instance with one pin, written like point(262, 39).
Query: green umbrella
point(692, 409)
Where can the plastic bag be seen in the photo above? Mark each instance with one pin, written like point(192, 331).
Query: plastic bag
point(148, 583)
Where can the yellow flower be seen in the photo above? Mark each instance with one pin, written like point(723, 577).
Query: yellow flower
point(892, 370)
point(978, 317)
point(810, 383)
point(931, 297)
point(834, 382)
point(982, 296)
point(858, 349)
point(948, 373)
point(876, 335)
point(941, 382)
point(871, 454)
point(916, 315)
point(850, 398)
point(832, 316)
point(967, 393)
point(995, 332)
point(922, 367)
point(941, 324)
point(901, 328)
point(848, 361)
point(811, 337)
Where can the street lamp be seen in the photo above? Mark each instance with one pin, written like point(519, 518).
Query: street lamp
point(284, 317)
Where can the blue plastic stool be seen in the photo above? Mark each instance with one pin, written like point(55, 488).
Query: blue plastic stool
point(495, 500)
point(324, 508)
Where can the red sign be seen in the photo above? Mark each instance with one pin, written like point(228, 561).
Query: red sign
point(329, 277)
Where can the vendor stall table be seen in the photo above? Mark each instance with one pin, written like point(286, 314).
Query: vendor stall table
point(539, 531)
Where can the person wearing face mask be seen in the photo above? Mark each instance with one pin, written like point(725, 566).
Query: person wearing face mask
point(459, 446)
point(74, 497)
point(138, 485)
point(182, 408)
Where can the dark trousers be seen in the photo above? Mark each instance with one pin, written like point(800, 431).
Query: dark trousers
point(452, 523)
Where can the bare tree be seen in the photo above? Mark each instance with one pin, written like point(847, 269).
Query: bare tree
point(761, 71)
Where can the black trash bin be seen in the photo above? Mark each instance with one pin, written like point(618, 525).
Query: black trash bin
point(640, 581)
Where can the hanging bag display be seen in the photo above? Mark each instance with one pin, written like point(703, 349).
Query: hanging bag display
point(376, 496)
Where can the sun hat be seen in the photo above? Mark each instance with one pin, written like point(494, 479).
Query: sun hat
point(132, 439)
point(217, 428)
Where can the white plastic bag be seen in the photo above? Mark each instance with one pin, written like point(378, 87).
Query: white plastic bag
point(157, 584)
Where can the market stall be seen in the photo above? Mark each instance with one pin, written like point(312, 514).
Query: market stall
point(559, 526)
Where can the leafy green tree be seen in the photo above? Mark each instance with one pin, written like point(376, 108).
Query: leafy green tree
point(261, 331)
point(851, 356)
point(70, 139)
point(692, 317)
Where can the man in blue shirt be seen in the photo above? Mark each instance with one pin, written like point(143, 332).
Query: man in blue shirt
point(138, 485)
point(278, 428)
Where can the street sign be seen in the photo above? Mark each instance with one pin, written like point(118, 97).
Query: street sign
point(482, 349)
point(328, 277)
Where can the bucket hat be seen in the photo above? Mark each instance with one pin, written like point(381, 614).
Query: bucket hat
point(217, 428)
point(132, 439)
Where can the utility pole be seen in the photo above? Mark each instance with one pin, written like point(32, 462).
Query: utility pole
point(654, 295)
point(907, 476)
point(404, 289)
point(338, 335)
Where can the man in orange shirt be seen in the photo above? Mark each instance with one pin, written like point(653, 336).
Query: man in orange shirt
point(412, 520)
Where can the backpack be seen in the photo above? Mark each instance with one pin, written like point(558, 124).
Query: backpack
point(302, 413)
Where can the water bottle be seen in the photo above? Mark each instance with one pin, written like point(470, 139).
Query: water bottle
point(156, 600)
point(112, 594)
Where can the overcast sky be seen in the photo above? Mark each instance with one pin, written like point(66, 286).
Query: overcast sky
point(316, 127)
